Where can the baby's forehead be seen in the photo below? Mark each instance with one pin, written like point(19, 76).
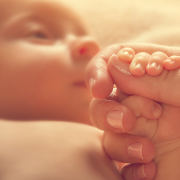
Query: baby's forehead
point(47, 9)
point(52, 8)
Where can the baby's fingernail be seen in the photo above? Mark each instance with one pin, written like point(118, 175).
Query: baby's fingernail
point(156, 110)
point(139, 69)
point(91, 83)
point(170, 61)
point(139, 66)
point(155, 65)
point(126, 52)
point(114, 119)
point(135, 150)
point(120, 65)
point(125, 55)
point(139, 173)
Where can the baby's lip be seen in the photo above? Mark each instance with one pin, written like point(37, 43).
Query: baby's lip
point(80, 84)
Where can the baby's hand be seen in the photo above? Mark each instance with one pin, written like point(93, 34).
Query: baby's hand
point(143, 62)
point(164, 132)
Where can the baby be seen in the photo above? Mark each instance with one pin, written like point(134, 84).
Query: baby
point(45, 79)
point(163, 88)
point(44, 49)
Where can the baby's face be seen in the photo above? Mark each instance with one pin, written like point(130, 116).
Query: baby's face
point(44, 49)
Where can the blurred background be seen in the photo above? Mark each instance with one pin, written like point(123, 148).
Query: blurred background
point(120, 21)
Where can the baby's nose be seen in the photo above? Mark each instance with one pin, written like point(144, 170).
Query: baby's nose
point(84, 48)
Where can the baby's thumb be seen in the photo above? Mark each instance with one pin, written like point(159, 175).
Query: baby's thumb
point(147, 114)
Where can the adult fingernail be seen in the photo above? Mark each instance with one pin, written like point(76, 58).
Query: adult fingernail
point(114, 119)
point(156, 110)
point(120, 65)
point(135, 150)
point(139, 173)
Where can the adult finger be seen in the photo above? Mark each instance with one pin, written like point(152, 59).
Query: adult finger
point(97, 77)
point(139, 171)
point(128, 148)
point(112, 116)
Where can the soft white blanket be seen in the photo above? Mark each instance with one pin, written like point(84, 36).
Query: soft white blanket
point(119, 21)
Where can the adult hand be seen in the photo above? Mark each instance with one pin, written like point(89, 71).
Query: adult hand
point(119, 145)
point(125, 131)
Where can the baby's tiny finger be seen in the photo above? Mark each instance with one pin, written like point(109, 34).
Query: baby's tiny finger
point(142, 106)
point(139, 63)
point(139, 171)
point(155, 66)
point(172, 63)
point(126, 54)
point(147, 112)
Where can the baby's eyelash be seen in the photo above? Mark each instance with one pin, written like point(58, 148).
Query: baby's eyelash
point(40, 35)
